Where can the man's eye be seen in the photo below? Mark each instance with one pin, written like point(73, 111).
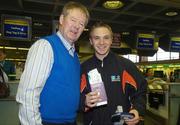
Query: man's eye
point(96, 38)
point(107, 38)
point(73, 20)
point(82, 24)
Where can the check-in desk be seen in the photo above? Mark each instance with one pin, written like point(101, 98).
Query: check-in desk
point(164, 101)
point(9, 107)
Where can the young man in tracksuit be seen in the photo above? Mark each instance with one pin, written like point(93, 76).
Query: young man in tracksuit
point(124, 85)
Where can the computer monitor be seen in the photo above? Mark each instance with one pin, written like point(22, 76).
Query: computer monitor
point(159, 74)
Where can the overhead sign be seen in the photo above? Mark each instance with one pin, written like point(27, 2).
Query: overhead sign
point(16, 27)
point(175, 44)
point(145, 41)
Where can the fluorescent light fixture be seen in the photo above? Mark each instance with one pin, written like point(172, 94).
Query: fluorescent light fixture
point(113, 4)
point(13, 48)
point(10, 47)
point(86, 29)
point(37, 24)
point(23, 48)
point(171, 13)
point(149, 66)
point(125, 33)
point(159, 66)
point(12, 59)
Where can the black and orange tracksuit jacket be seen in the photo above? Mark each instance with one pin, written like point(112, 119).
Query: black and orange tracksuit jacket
point(124, 85)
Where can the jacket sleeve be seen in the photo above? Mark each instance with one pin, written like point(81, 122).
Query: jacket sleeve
point(136, 91)
point(84, 88)
point(138, 98)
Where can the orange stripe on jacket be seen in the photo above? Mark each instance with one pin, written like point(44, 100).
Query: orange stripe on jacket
point(83, 82)
point(128, 79)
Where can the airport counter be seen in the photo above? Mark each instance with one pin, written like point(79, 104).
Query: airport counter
point(9, 107)
point(164, 102)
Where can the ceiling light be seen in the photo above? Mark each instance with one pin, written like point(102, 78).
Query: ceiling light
point(171, 13)
point(38, 24)
point(113, 4)
point(86, 29)
point(125, 33)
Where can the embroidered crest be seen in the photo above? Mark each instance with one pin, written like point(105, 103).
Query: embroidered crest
point(115, 78)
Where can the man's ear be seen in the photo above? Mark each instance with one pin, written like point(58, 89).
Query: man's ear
point(90, 41)
point(61, 18)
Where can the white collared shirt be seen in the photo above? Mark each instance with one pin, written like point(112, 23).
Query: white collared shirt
point(70, 48)
point(38, 66)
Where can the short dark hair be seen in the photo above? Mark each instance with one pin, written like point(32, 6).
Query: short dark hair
point(100, 24)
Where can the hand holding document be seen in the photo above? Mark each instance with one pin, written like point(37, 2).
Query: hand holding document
point(97, 84)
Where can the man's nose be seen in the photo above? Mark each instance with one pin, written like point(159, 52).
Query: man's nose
point(102, 41)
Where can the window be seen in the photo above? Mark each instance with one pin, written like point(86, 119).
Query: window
point(163, 55)
point(133, 58)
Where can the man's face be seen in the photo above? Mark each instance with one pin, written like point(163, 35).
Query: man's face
point(2, 56)
point(150, 72)
point(72, 25)
point(101, 40)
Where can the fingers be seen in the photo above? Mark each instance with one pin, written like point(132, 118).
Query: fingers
point(92, 98)
point(133, 121)
point(136, 118)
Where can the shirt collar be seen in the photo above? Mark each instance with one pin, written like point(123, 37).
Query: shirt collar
point(108, 57)
point(66, 43)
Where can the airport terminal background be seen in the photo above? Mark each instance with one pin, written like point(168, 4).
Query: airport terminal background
point(152, 44)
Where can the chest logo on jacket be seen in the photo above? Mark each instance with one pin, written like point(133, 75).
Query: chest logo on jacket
point(115, 78)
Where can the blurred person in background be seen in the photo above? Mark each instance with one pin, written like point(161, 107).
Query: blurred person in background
point(8, 66)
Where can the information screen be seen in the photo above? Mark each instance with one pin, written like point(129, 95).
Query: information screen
point(175, 44)
point(159, 74)
point(16, 27)
point(145, 41)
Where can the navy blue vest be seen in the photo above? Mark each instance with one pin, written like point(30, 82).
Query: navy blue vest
point(59, 99)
